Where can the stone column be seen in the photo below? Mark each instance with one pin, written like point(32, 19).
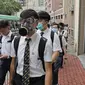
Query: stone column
point(79, 26)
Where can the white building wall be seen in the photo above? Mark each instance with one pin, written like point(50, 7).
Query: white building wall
point(33, 4)
point(76, 30)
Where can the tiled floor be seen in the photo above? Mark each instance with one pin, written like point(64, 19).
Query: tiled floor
point(73, 72)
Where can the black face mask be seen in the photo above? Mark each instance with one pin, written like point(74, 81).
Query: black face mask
point(26, 26)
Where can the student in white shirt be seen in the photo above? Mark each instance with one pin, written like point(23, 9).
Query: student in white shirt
point(5, 56)
point(30, 20)
point(62, 41)
point(44, 19)
point(54, 27)
point(65, 34)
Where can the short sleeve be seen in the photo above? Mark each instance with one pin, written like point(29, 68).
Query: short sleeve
point(56, 43)
point(48, 52)
point(64, 41)
point(65, 34)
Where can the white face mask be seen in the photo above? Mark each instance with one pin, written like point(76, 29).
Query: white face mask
point(55, 29)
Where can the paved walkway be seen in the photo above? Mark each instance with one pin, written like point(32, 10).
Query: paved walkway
point(73, 72)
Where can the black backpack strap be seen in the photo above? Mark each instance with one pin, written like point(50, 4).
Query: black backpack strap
point(60, 38)
point(1, 39)
point(61, 43)
point(12, 37)
point(52, 37)
point(41, 49)
point(0, 43)
point(16, 43)
point(62, 32)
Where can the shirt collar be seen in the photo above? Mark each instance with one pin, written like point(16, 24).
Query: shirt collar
point(33, 37)
point(9, 35)
point(45, 31)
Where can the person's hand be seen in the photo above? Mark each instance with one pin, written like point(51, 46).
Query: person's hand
point(3, 56)
point(10, 83)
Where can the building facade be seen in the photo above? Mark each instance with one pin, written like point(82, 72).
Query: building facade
point(61, 11)
point(37, 5)
point(68, 14)
point(79, 33)
point(55, 8)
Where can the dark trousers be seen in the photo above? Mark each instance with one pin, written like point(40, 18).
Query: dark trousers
point(61, 61)
point(61, 58)
point(55, 69)
point(33, 81)
point(66, 38)
point(55, 77)
point(4, 68)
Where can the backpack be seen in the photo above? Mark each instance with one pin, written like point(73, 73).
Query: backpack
point(52, 37)
point(1, 39)
point(12, 37)
point(61, 44)
point(41, 49)
point(60, 38)
point(0, 43)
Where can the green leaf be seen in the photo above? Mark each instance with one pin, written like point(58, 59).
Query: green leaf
point(9, 7)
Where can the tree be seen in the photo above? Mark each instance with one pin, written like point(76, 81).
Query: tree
point(9, 7)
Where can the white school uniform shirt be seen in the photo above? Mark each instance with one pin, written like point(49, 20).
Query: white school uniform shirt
point(63, 38)
point(6, 46)
point(36, 67)
point(65, 34)
point(56, 43)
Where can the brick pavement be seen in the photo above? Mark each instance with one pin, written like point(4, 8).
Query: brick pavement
point(73, 72)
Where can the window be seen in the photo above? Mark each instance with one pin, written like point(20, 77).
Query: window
point(45, 3)
point(51, 17)
point(46, 9)
point(22, 2)
point(49, 5)
point(41, 2)
point(56, 17)
point(61, 16)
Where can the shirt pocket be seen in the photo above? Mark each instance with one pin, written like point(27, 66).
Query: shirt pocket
point(34, 57)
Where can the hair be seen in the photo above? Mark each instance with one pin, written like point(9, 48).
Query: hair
point(44, 15)
point(61, 25)
point(29, 13)
point(54, 23)
point(66, 25)
point(4, 24)
point(48, 25)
